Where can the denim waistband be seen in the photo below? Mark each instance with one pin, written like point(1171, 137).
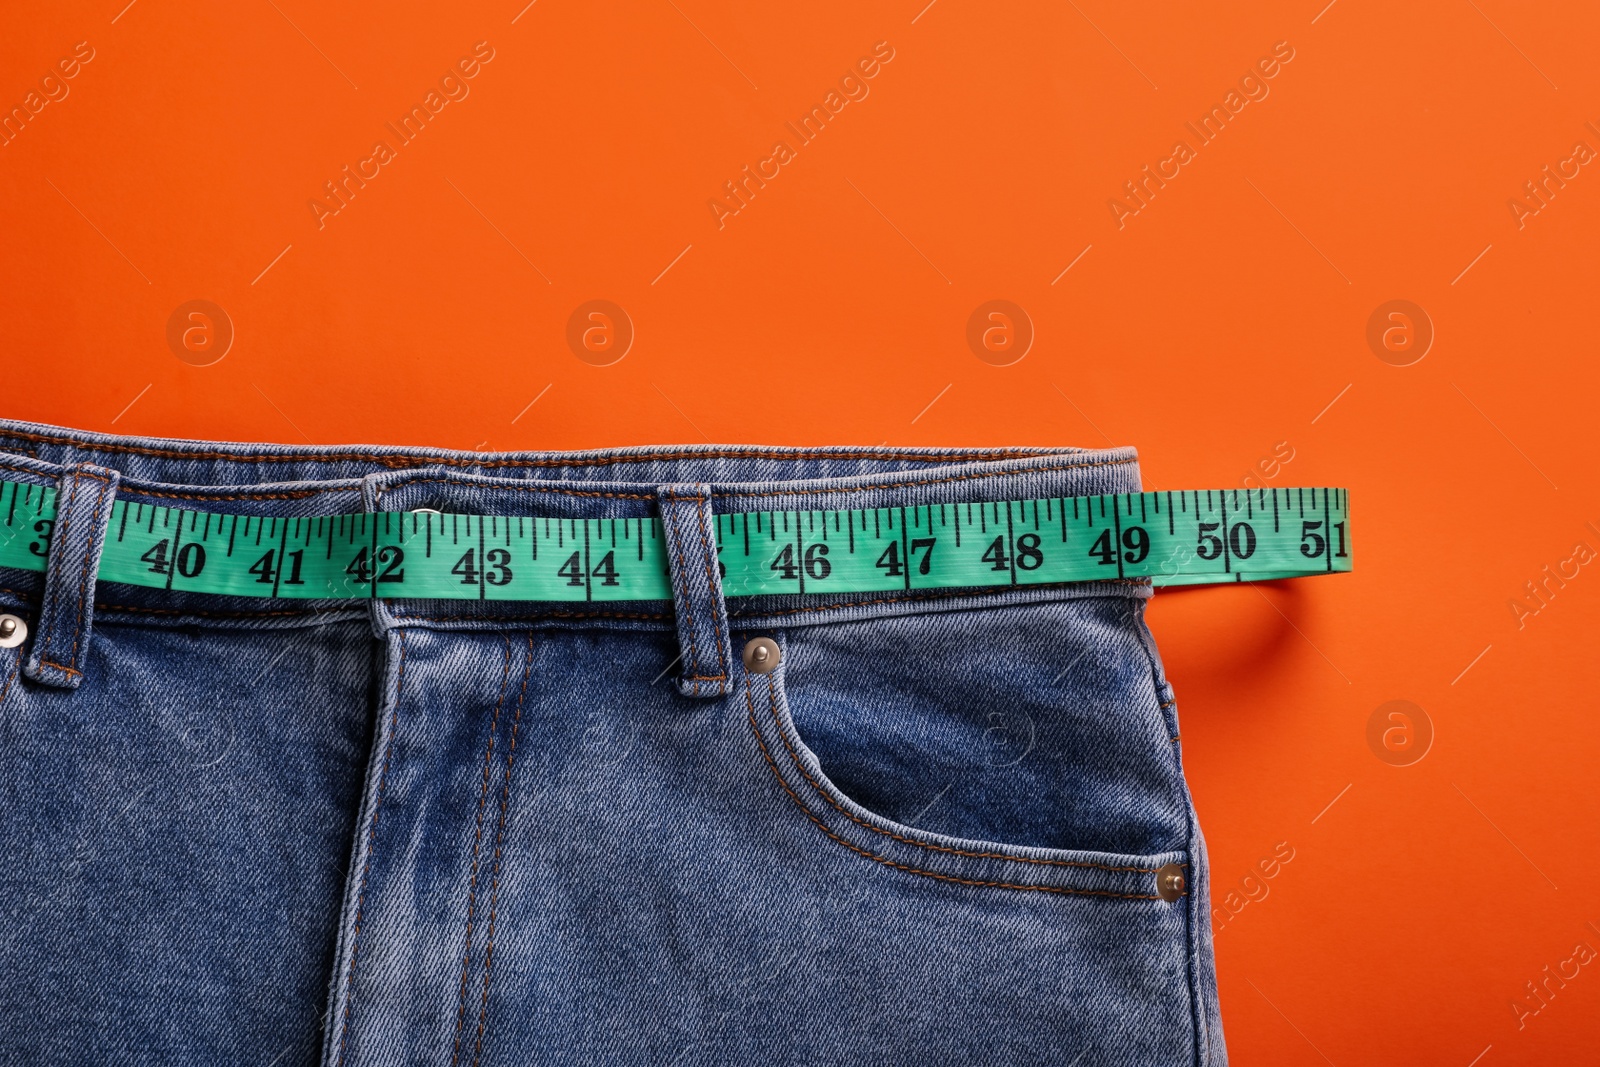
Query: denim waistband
point(162, 462)
point(255, 479)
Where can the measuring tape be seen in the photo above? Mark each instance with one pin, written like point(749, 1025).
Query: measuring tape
point(1182, 538)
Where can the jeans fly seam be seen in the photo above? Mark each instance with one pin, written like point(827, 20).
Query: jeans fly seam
point(778, 774)
point(499, 841)
point(372, 833)
point(477, 840)
point(794, 757)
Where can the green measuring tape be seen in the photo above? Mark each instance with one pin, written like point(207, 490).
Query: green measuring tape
point(1182, 538)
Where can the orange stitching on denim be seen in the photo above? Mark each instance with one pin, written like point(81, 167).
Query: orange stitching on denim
point(735, 494)
point(917, 870)
point(499, 839)
point(292, 494)
point(372, 834)
point(772, 691)
point(229, 614)
point(30, 472)
point(592, 461)
point(927, 481)
point(477, 839)
point(423, 617)
point(9, 679)
point(59, 666)
point(516, 489)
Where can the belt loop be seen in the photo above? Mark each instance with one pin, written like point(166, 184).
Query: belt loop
point(704, 646)
point(373, 487)
point(61, 634)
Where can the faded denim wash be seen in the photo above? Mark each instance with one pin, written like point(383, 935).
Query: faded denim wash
point(427, 832)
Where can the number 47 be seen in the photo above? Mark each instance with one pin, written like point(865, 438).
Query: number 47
point(890, 559)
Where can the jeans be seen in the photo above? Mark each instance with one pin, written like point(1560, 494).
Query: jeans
point(256, 831)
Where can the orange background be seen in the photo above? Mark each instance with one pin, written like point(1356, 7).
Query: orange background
point(1223, 325)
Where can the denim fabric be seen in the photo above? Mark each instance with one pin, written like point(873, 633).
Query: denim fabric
point(353, 833)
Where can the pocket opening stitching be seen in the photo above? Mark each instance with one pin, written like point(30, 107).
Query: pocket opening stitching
point(795, 758)
point(1066, 890)
point(799, 766)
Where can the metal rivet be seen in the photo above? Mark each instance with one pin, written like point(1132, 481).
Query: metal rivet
point(13, 631)
point(1170, 882)
point(761, 655)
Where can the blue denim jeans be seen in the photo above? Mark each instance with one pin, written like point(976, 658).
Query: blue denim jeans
point(394, 832)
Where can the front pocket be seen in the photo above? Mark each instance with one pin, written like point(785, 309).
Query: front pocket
point(965, 861)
